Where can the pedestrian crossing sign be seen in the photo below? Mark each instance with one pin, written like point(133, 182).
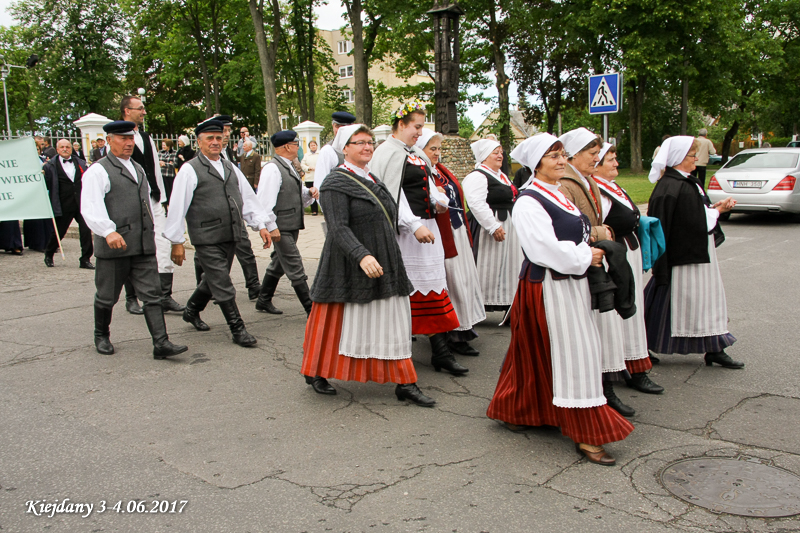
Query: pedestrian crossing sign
point(605, 94)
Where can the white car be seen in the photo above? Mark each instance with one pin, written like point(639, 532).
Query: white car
point(760, 179)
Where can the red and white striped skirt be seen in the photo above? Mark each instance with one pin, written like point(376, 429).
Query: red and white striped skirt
point(432, 313)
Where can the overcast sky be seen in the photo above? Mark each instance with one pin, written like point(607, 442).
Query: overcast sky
point(329, 18)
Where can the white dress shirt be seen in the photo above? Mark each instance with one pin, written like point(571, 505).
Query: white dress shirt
point(68, 166)
point(328, 160)
point(269, 185)
point(538, 238)
point(183, 192)
point(96, 185)
point(476, 189)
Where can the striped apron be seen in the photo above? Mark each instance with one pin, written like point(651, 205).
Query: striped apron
point(499, 264)
point(380, 329)
point(633, 329)
point(699, 308)
point(463, 284)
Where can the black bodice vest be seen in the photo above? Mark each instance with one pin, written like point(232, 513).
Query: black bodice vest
point(415, 186)
point(623, 220)
point(499, 196)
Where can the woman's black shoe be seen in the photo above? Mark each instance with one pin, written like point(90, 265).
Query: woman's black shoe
point(614, 402)
point(411, 392)
point(642, 382)
point(463, 348)
point(320, 385)
point(722, 359)
point(442, 359)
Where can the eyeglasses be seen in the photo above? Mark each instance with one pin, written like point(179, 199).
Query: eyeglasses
point(244, 131)
point(694, 155)
point(141, 108)
point(361, 144)
point(555, 156)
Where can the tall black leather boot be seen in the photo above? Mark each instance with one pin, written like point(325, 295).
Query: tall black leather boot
point(167, 303)
point(131, 301)
point(303, 295)
point(264, 302)
point(240, 335)
point(614, 402)
point(162, 347)
point(191, 314)
point(102, 333)
point(442, 359)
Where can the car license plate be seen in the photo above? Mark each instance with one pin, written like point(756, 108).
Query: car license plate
point(748, 184)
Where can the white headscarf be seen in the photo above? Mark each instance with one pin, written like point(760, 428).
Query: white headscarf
point(425, 137)
point(185, 140)
point(482, 149)
point(575, 140)
point(530, 151)
point(672, 152)
point(343, 136)
point(603, 152)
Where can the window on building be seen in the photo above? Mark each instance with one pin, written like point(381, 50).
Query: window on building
point(349, 95)
point(346, 72)
point(430, 118)
point(344, 47)
point(431, 69)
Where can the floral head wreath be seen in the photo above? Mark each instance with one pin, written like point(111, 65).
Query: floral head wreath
point(408, 108)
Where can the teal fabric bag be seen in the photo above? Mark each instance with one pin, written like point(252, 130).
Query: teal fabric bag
point(651, 238)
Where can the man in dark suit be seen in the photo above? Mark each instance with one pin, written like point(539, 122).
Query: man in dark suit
point(101, 151)
point(78, 150)
point(63, 174)
point(48, 151)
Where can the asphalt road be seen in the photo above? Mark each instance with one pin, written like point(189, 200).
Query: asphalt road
point(238, 435)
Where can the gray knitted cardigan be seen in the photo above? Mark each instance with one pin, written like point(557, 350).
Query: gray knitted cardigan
point(357, 227)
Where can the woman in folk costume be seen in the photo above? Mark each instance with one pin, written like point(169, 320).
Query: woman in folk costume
point(622, 216)
point(490, 197)
point(552, 374)
point(359, 328)
point(685, 307)
point(583, 149)
point(406, 172)
point(463, 284)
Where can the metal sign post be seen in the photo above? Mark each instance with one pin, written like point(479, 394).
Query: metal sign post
point(605, 96)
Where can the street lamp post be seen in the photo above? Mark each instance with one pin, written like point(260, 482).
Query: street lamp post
point(142, 97)
point(5, 70)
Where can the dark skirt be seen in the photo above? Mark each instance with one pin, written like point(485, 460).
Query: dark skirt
point(37, 233)
point(10, 236)
point(658, 322)
point(524, 393)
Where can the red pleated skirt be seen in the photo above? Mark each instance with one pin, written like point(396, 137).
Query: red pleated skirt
point(524, 393)
point(639, 365)
point(321, 355)
point(432, 313)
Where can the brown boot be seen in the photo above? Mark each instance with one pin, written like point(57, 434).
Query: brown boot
point(595, 454)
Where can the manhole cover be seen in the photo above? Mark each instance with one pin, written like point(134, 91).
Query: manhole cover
point(734, 486)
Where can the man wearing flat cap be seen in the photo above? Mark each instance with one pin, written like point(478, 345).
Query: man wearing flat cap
point(282, 191)
point(244, 248)
point(329, 158)
point(118, 207)
point(214, 199)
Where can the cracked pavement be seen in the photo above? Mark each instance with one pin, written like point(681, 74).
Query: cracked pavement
point(239, 434)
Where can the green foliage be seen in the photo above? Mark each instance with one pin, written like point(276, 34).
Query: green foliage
point(465, 126)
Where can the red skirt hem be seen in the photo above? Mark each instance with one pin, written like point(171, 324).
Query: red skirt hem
point(432, 313)
point(321, 355)
point(637, 366)
point(524, 393)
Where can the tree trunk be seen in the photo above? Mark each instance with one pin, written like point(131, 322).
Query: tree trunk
point(360, 64)
point(215, 56)
point(637, 101)
point(312, 34)
point(266, 57)
point(197, 33)
point(685, 107)
point(499, 60)
point(726, 142)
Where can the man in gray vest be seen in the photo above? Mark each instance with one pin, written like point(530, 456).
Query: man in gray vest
point(118, 208)
point(215, 200)
point(328, 157)
point(282, 191)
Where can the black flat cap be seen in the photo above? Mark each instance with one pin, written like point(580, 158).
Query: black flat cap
point(211, 125)
point(283, 137)
point(343, 118)
point(119, 127)
point(226, 120)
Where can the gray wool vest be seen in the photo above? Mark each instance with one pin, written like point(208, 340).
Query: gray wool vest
point(289, 206)
point(128, 206)
point(339, 155)
point(215, 214)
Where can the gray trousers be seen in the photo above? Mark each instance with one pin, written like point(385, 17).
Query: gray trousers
point(247, 260)
point(216, 261)
point(111, 274)
point(285, 259)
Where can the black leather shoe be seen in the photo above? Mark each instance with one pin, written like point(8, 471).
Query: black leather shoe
point(614, 402)
point(642, 382)
point(103, 345)
point(240, 335)
point(87, 265)
point(167, 349)
point(132, 306)
point(722, 359)
point(102, 333)
point(653, 359)
point(252, 292)
point(442, 359)
point(265, 295)
point(191, 314)
point(411, 392)
point(320, 385)
point(48, 261)
point(303, 295)
point(162, 347)
point(167, 302)
point(463, 348)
